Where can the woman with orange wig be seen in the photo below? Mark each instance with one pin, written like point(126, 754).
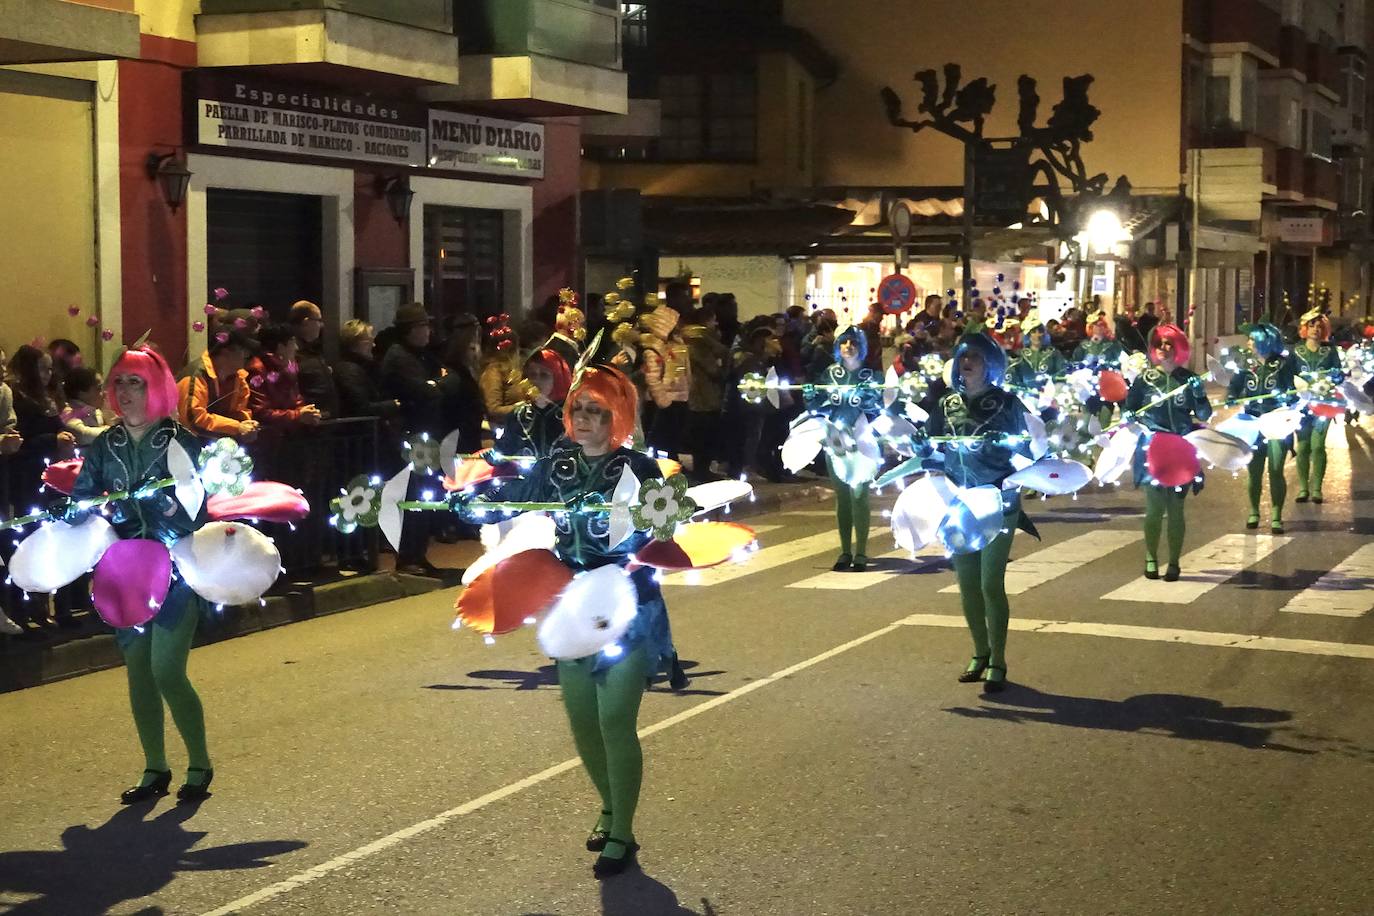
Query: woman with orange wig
point(602, 692)
point(1316, 361)
point(142, 392)
point(1178, 414)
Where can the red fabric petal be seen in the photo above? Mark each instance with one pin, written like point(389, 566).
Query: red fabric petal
point(61, 475)
point(1171, 460)
point(265, 500)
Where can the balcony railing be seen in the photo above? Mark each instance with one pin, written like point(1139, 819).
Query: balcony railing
point(581, 31)
point(436, 15)
point(1234, 22)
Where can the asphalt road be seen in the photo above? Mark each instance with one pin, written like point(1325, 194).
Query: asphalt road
point(1207, 750)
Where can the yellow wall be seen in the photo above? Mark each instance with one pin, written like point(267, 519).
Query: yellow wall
point(47, 184)
point(785, 146)
point(168, 18)
point(1134, 50)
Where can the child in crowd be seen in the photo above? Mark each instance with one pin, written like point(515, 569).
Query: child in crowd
point(82, 416)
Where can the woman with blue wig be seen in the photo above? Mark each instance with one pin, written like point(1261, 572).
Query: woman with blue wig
point(1267, 383)
point(853, 391)
point(979, 407)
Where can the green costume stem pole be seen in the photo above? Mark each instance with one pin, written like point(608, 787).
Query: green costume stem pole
point(1160, 400)
point(96, 502)
point(1005, 437)
point(1264, 397)
point(420, 505)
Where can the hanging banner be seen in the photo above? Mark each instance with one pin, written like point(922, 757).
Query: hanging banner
point(473, 143)
point(281, 118)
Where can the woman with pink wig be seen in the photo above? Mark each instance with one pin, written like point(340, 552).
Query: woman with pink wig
point(142, 392)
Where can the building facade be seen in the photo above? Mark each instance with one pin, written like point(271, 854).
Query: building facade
point(1239, 124)
point(359, 153)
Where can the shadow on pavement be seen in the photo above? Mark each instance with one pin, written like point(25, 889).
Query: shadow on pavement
point(1300, 579)
point(126, 858)
point(1167, 714)
point(636, 894)
point(547, 676)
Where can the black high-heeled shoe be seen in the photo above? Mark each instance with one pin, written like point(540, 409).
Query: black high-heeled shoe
point(974, 672)
point(997, 685)
point(1151, 569)
point(1171, 572)
point(677, 677)
point(155, 789)
point(196, 791)
point(596, 840)
point(860, 563)
point(605, 867)
point(843, 563)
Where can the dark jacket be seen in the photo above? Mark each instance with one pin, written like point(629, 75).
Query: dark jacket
point(360, 395)
point(409, 376)
point(461, 408)
point(316, 379)
point(39, 424)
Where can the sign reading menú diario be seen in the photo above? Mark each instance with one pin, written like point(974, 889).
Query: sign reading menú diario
point(248, 114)
point(473, 143)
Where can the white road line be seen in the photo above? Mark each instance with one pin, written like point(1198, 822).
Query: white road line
point(1162, 634)
point(1203, 570)
point(324, 869)
point(766, 558)
point(852, 581)
point(1061, 559)
point(1344, 591)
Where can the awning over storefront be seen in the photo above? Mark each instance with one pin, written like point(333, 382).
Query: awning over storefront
point(47, 31)
point(675, 225)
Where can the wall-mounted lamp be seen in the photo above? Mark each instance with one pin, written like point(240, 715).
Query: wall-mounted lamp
point(396, 190)
point(172, 174)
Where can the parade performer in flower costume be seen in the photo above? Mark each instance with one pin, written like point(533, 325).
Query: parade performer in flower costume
point(979, 407)
point(534, 427)
point(143, 393)
point(602, 692)
point(842, 408)
point(1100, 352)
point(1036, 365)
point(1176, 415)
point(1269, 379)
point(1319, 364)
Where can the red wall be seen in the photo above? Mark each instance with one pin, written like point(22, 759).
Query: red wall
point(555, 209)
point(154, 238)
point(379, 241)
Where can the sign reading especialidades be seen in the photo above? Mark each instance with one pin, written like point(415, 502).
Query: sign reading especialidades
point(248, 114)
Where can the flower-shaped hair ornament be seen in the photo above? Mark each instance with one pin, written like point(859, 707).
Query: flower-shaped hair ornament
point(423, 453)
point(663, 504)
point(225, 467)
point(359, 503)
point(753, 388)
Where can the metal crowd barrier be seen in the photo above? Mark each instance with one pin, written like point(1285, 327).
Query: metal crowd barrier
point(318, 461)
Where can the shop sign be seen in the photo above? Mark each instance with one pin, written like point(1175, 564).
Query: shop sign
point(249, 114)
point(472, 143)
point(1302, 230)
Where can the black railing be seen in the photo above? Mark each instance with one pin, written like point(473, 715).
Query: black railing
point(319, 461)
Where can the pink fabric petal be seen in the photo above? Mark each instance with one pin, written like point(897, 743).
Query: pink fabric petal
point(1171, 459)
point(131, 582)
point(266, 500)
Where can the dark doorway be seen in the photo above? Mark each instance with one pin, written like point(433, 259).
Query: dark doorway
point(264, 249)
point(464, 261)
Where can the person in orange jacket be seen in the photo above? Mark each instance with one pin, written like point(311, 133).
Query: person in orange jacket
point(212, 395)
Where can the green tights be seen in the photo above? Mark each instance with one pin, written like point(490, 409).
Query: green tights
point(156, 664)
point(983, 593)
point(1161, 501)
point(603, 711)
point(852, 516)
point(1311, 456)
point(1276, 454)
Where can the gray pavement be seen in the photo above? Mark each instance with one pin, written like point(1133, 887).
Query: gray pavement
point(824, 760)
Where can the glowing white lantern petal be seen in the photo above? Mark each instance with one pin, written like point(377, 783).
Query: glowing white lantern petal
point(189, 491)
point(1356, 398)
point(1220, 374)
point(1117, 456)
point(57, 554)
point(803, 444)
point(227, 562)
point(1280, 423)
point(622, 497)
point(1243, 427)
point(1040, 440)
point(595, 610)
point(891, 380)
point(389, 516)
point(1053, 476)
point(919, 510)
point(717, 493)
point(1219, 449)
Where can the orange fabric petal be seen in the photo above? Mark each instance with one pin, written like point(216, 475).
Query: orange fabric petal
point(669, 467)
point(697, 546)
point(519, 587)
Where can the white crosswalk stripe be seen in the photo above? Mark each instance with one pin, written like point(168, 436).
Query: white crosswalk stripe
point(1060, 559)
point(1344, 591)
point(1203, 570)
point(853, 581)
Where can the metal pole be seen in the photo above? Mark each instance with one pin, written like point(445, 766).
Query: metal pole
point(966, 248)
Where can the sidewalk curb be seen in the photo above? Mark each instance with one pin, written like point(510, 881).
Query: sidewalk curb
point(22, 666)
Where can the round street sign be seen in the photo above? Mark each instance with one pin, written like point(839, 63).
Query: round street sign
point(896, 294)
